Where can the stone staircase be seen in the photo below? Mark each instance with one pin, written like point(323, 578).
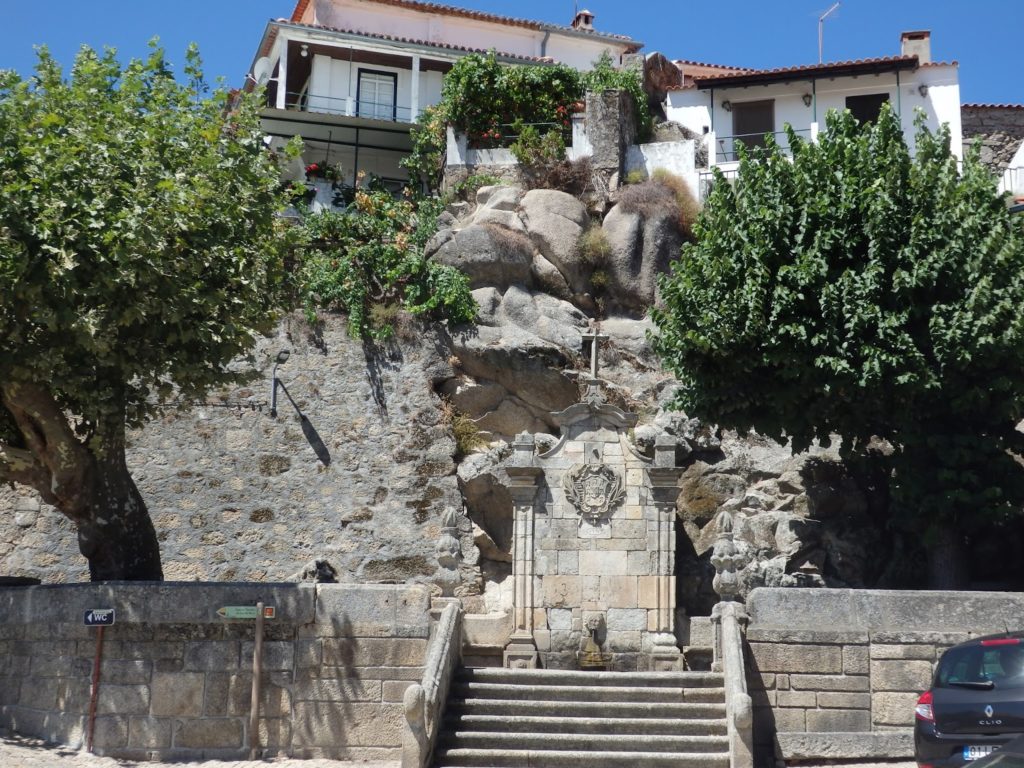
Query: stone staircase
point(541, 718)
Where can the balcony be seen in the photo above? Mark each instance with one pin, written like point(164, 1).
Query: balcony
point(350, 106)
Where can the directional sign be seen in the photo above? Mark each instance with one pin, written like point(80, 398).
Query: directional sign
point(99, 617)
point(245, 612)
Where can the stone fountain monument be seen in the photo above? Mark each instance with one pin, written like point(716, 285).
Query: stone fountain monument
point(594, 544)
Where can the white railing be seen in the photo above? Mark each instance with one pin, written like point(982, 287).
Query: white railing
point(424, 702)
point(350, 106)
point(1012, 181)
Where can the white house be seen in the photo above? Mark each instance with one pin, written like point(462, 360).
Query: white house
point(732, 105)
point(350, 76)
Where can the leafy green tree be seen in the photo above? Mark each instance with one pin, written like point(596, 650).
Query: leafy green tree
point(138, 259)
point(860, 291)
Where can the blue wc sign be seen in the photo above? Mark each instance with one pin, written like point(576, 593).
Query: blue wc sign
point(99, 617)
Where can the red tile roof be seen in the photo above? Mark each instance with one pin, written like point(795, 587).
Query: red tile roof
point(467, 13)
point(993, 106)
point(828, 68)
point(686, 63)
point(410, 41)
point(300, 8)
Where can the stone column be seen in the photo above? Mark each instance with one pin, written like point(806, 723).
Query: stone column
point(521, 651)
point(663, 483)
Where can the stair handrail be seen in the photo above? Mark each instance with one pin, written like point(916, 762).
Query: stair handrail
point(730, 619)
point(424, 701)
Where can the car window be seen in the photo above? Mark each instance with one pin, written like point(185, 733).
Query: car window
point(1003, 665)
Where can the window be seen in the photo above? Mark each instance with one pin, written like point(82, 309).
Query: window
point(751, 120)
point(866, 108)
point(376, 94)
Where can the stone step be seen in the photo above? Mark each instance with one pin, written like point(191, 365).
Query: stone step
point(706, 726)
point(597, 709)
point(575, 677)
point(524, 758)
point(597, 693)
point(576, 742)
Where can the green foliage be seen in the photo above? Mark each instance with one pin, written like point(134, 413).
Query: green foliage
point(469, 186)
point(481, 96)
point(425, 163)
point(483, 99)
point(594, 247)
point(138, 245)
point(861, 292)
point(636, 177)
point(370, 258)
point(537, 153)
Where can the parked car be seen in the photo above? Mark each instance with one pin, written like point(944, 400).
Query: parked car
point(975, 705)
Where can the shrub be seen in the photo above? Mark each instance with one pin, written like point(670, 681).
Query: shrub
point(368, 262)
point(594, 247)
point(538, 154)
point(464, 429)
point(571, 176)
point(636, 177)
point(468, 187)
point(664, 193)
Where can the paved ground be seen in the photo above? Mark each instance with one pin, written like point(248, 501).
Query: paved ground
point(16, 752)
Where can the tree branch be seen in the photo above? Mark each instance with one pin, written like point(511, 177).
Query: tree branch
point(50, 441)
point(18, 465)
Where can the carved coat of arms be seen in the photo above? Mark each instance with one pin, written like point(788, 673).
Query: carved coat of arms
point(593, 489)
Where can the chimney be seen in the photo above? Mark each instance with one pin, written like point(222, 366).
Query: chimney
point(584, 20)
point(917, 44)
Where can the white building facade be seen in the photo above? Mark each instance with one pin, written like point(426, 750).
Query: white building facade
point(350, 76)
point(742, 106)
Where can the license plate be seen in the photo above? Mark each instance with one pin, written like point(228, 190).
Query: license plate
point(974, 751)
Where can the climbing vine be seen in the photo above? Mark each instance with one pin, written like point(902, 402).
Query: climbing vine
point(492, 103)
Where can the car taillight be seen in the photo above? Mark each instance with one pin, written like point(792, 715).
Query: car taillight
point(923, 710)
point(1002, 641)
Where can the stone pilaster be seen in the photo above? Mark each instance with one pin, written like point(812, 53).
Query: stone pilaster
point(663, 485)
point(521, 651)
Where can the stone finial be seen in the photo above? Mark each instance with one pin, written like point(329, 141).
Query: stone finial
point(726, 559)
point(523, 450)
point(449, 551)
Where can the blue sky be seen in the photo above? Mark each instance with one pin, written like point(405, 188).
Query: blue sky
point(983, 35)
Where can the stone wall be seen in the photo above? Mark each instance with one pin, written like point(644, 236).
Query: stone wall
point(998, 129)
point(835, 673)
point(239, 495)
point(175, 680)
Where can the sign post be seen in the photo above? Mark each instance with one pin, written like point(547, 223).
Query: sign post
point(100, 618)
point(257, 673)
point(259, 613)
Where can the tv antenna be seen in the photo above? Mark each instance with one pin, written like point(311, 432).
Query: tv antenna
point(821, 29)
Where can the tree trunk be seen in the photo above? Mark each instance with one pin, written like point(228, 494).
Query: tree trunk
point(117, 536)
point(947, 560)
point(87, 481)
